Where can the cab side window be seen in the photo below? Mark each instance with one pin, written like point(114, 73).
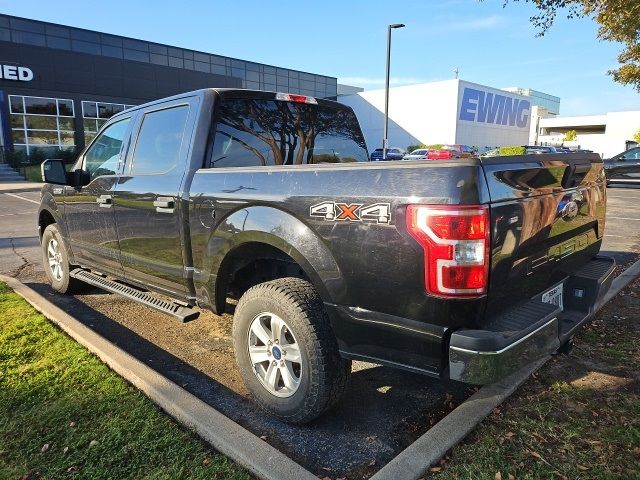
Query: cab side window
point(103, 155)
point(160, 140)
point(633, 154)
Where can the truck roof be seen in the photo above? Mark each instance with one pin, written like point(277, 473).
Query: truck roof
point(225, 93)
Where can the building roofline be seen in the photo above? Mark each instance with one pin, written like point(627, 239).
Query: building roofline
point(161, 44)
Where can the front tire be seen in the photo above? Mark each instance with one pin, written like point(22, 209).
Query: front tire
point(286, 351)
point(55, 261)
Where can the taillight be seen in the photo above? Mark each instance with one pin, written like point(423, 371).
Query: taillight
point(290, 97)
point(455, 240)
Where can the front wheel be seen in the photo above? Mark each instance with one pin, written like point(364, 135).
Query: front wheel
point(286, 351)
point(55, 261)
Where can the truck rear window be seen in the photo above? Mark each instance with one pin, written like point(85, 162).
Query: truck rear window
point(270, 132)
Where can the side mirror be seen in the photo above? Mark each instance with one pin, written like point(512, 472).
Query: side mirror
point(53, 172)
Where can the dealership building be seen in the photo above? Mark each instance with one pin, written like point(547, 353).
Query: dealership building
point(450, 111)
point(458, 111)
point(59, 84)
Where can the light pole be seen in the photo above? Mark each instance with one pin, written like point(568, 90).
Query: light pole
point(385, 140)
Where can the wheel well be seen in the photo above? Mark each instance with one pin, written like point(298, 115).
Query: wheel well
point(249, 265)
point(45, 219)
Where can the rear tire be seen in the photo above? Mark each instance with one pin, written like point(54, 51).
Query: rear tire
point(284, 321)
point(55, 261)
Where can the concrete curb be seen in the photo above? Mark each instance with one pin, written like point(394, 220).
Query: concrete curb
point(26, 188)
point(226, 436)
point(427, 450)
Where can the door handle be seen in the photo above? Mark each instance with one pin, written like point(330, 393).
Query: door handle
point(164, 204)
point(105, 201)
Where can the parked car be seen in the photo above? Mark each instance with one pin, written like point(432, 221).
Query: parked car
point(625, 165)
point(539, 149)
point(451, 151)
point(418, 154)
point(491, 153)
point(393, 153)
point(465, 271)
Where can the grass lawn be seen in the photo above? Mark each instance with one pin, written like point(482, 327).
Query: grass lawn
point(64, 414)
point(32, 173)
point(577, 418)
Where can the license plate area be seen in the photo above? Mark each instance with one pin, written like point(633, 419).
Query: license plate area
point(554, 296)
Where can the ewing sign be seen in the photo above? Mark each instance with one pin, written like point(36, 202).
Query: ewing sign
point(11, 72)
point(486, 107)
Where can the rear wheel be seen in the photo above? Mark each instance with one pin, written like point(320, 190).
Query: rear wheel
point(285, 349)
point(55, 260)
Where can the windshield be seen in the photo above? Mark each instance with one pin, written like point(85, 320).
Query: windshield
point(269, 132)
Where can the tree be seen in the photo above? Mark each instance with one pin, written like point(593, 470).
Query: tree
point(636, 136)
point(619, 21)
point(571, 136)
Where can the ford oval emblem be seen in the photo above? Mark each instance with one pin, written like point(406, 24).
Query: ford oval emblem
point(569, 210)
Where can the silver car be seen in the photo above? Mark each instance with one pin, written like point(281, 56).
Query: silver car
point(419, 154)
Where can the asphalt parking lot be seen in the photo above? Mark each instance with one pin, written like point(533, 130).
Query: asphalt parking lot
point(384, 410)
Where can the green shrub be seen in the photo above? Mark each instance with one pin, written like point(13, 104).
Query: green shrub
point(18, 158)
point(15, 158)
point(512, 150)
point(435, 146)
point(570, 136)
point(411, 148)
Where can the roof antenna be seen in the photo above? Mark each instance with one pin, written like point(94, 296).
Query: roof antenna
point(456, 71)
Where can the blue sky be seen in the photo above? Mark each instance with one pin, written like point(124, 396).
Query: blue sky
point(490, 45)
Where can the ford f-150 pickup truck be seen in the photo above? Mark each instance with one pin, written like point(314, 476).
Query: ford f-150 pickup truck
point(462, 269)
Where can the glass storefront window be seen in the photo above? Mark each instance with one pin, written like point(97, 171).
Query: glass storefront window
point(40, 106)
point(41, 123)
point(108, 110)
point(42, 137)
point(17, 121)
point(89, 110)
point(96, 114)
point(89, 126)
point(16, 104)
point(65, 108)
point(18, 136)
point(66, 124)
point(38, 122)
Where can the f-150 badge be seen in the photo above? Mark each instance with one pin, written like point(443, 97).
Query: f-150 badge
point(352, 212)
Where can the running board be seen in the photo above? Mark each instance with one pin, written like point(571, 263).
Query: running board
point(181, 312)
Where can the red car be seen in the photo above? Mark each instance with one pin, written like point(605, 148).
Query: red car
point(451, 151)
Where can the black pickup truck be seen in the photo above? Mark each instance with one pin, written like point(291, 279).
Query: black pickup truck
point(462, 269)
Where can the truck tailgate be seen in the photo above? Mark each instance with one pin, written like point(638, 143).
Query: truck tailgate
point(547, 221)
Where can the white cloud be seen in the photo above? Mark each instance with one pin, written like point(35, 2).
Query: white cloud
point(479, 23)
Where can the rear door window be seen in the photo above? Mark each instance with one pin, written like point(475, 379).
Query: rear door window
point(270, 132)
point(159, 142)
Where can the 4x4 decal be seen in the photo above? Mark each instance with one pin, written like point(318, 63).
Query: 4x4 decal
point(352, 212)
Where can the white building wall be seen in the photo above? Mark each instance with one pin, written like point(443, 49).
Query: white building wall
point(439, 112)
point(423, 113)
point(619, 128)
point(496, 128)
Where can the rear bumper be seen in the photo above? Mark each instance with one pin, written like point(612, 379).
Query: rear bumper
point(531, 330)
